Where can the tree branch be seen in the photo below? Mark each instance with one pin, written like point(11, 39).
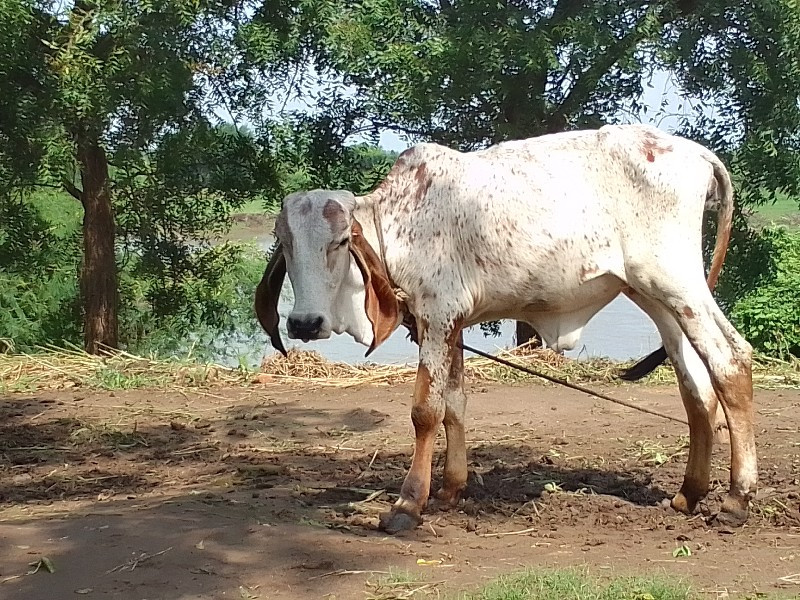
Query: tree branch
point(523, 98)
point(72, 189)
point(586, 83)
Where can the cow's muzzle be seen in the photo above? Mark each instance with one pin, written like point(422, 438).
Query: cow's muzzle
point(309, 327)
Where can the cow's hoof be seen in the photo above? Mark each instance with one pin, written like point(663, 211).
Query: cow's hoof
point(447, 499)
point(396, 521)
point(733, 513)
point(683, 504)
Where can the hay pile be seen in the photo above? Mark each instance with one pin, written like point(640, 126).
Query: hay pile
point(774, 373)
point(310, 367)
point(55, 368)
point(60, 368)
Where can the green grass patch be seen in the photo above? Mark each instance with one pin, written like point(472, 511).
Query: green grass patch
point(575, 584)
point(400, 585)
point(784, 211)
point(578, 585)
point(107, 378)
point(253, 207)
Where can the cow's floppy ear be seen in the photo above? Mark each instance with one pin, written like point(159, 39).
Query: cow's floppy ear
point(381, 304)
point(267, 294)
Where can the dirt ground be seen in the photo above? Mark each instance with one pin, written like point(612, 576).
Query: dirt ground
point(273, 492)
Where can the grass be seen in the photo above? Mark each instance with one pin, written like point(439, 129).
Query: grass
point(70, 368)
point(572, 584)
point(253, 207)
point(784, 211)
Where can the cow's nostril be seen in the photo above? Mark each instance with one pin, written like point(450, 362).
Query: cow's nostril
point(306, 328)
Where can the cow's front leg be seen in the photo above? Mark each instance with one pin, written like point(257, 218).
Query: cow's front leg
point(427, 414)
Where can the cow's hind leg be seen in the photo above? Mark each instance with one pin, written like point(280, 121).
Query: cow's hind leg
point(699, 400)
point(455, 464)
point(727, 357)
point(427, 414)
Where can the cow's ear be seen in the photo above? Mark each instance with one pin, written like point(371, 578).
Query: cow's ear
point(380, 303)
point(267, 294)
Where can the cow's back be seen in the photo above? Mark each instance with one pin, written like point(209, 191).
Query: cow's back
point(531, 218)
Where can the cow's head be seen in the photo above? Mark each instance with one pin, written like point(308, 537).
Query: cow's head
point(339, 283)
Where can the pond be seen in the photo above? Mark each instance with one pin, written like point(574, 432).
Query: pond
point(620, 331)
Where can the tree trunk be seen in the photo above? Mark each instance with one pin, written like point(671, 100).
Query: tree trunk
point(99, 268)
point(526, 333)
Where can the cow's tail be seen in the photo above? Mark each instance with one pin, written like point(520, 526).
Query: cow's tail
point(720, 194)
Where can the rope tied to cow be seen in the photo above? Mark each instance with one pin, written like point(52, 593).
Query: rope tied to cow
point(410, 323)
point(573, 386)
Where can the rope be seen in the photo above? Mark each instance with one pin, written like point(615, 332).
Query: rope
point(573, 386)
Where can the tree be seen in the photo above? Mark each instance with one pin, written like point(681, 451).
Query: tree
point(473, 72)
point(114, 103)
point(312, 152)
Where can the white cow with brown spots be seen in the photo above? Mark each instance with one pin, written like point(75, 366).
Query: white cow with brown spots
point(546, 230)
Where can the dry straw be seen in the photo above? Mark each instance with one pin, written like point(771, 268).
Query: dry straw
point(71, 367)
point(60, 368)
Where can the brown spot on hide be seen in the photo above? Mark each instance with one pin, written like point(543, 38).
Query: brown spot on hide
point(652, 146)
point(688, 312)
point(333, 213)
point(423, 183)
point(407, 182)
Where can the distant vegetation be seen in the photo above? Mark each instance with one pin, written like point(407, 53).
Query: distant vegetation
point(132, 133)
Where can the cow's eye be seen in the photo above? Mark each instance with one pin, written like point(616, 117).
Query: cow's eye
point(343, 243)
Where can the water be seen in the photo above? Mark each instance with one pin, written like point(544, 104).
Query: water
point(620, 331)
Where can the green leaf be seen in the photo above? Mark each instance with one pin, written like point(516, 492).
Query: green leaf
point(682, 551)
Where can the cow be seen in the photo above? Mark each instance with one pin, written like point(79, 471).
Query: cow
point(546, 230)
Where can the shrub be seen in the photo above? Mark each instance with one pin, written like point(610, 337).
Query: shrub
point(769, 314)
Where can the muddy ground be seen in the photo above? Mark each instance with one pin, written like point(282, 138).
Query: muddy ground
point(272, 492)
